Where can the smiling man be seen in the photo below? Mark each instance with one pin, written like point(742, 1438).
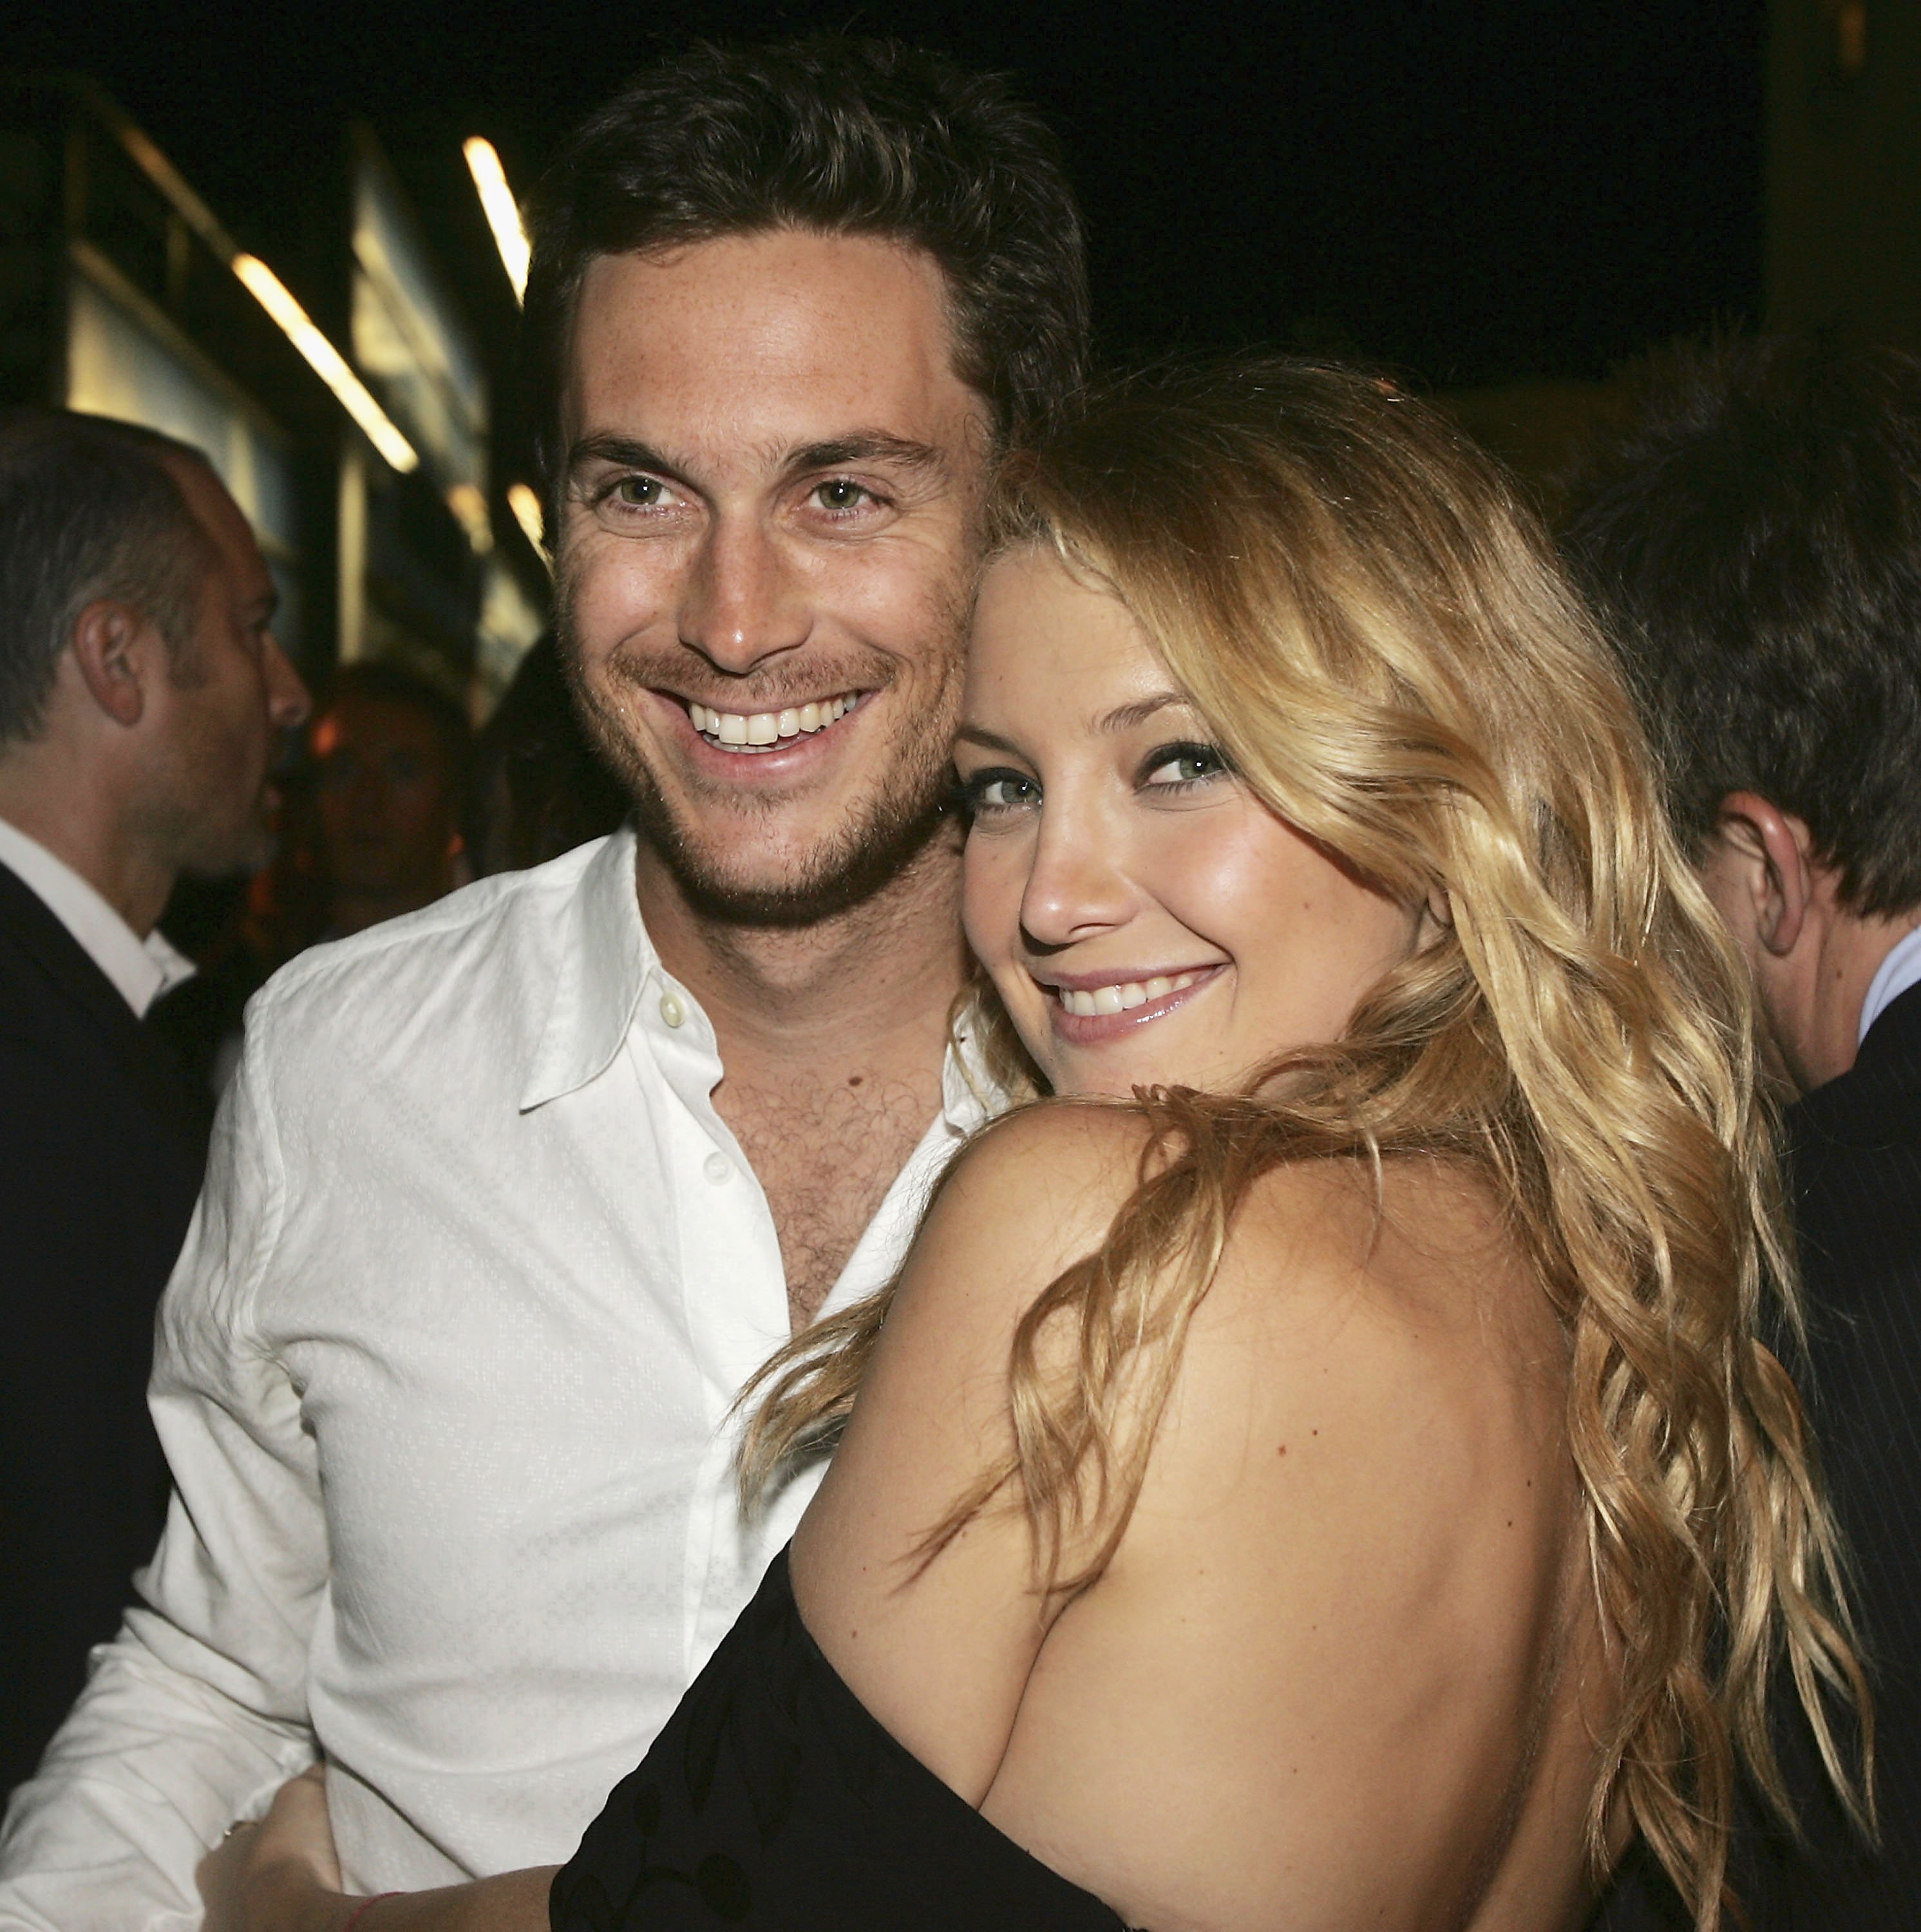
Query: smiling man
point(510, 1196)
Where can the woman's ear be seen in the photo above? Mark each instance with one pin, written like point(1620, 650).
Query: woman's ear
point(1437, 916)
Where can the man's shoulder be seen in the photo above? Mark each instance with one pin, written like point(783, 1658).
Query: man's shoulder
point(480, 961)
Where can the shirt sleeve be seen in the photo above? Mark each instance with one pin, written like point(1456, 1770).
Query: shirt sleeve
point(195, 1712)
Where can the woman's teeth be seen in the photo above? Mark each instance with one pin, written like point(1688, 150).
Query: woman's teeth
point(737, 728)
point(1129, 993)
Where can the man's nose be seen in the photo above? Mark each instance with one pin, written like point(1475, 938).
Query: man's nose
point(742, 601)
point(288, 703)
point(1076, 886)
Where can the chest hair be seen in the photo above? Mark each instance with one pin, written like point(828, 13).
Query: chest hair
point(826, 1152)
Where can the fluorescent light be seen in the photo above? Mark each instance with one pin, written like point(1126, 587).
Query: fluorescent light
point(271, 293)
point(503, 211)
point(467, 504)
point(526, 507)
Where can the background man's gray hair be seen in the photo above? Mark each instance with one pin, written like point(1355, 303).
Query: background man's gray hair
point(89, 510)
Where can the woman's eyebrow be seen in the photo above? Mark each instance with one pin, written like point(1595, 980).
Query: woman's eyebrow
point(1125, 717)
point(989, 741)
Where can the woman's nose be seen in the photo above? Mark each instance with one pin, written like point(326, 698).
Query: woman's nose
point(1077, 887)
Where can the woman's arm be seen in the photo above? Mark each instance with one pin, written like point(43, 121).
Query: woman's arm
point(281, 1876)
point(1035, 1194)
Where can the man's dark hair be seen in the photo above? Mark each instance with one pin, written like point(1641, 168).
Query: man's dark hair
point(846, 136)
point(1750, 531)
point(89, 510)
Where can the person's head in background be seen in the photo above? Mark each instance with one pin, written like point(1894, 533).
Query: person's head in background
point(391, 755)
point(141, 683)
point(538, 790)
point(783, 304)
point(1752, 532)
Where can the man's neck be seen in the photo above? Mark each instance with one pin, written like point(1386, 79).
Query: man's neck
point(76, 822)
point(1816, 1018)
point(872, 982)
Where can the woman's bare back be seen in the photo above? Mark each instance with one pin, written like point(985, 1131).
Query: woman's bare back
point(1343, 1669)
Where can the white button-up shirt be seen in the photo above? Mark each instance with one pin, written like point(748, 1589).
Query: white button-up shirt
point(444, 1375)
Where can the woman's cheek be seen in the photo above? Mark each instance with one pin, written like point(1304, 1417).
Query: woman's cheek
point(991, 880)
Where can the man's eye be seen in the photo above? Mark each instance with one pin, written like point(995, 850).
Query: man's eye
point(841, 493)
point(638, 493)
point(999, 790)
point(1177, 767)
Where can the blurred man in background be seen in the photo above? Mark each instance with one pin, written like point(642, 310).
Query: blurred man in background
point(140, 685)
point(1753, 534)
point(391, 754)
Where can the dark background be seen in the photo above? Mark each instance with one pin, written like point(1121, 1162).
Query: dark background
point(1470, 191)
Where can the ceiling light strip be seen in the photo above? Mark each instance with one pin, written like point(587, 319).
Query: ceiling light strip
point(327, 362)
point(503, 211)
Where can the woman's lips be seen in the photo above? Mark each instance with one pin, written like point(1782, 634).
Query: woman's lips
point(1084, 1029)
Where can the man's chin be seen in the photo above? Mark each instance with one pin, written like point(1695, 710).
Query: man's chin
point(801, 883)
point(247, 850)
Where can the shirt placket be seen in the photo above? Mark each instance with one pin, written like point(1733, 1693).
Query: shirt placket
point(733, 1289)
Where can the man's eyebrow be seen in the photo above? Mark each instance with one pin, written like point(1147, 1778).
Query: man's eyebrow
point(899, 452)
point(625, 451)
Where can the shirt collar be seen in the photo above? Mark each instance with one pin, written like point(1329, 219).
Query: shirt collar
point(969, 1094)
point(605, 957)
point(140, 970)
point(1899, 970)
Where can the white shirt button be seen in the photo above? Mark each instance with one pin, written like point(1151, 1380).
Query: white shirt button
point(671, 1010)
point(717, 1167)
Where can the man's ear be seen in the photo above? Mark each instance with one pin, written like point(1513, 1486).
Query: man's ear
point(1771, 853)
point(114, 648)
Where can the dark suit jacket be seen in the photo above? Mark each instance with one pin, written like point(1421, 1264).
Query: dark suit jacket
point(1855, 1145)
point(101, 1152)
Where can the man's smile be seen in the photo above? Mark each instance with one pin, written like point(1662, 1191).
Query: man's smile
point(769, 731)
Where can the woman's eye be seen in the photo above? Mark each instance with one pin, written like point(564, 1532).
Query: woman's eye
point(999, 791)
point(1175, 766)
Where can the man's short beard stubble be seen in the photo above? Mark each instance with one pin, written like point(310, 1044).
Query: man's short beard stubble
point(881, 838)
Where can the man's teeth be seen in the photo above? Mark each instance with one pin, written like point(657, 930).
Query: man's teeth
point(766, 728)
point(1128, 994)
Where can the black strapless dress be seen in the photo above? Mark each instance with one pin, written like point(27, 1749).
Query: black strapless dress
point(773, 1798)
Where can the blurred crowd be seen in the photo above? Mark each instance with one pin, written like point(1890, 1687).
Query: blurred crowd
point(386, 801)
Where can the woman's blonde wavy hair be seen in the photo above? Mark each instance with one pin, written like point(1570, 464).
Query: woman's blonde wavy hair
point(1373, 624)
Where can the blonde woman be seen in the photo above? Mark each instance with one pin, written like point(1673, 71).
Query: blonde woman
point(1328, 1475)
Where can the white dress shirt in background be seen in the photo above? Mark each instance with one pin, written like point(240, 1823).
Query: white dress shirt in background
point(143, 969)
point(443, 1375)
point(1899, 970)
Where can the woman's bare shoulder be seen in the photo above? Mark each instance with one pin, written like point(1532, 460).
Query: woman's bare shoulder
point(1030, 1195)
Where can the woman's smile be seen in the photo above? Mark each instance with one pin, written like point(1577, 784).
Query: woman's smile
point(1092, 1006)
